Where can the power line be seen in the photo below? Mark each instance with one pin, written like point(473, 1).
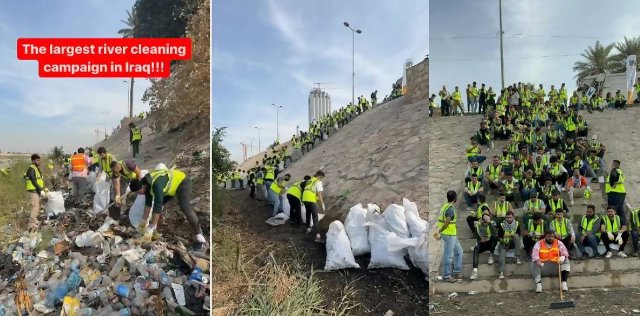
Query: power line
point(520, 35)
point(498, 58)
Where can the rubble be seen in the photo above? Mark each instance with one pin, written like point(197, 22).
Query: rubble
point(89, 264)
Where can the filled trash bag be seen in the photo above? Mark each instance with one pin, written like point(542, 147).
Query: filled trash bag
point(357, 232)
point(339, 255)
point(101, 199)
point(55, 204)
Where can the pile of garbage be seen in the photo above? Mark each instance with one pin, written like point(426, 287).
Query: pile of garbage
point(388, 237)
point(83, 263)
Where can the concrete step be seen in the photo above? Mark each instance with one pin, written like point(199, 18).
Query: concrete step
point(627, 277)
point(593, 265)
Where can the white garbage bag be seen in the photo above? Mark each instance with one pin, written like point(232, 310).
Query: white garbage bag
point(161, 166)
point(357, 232)
point(55, 204)
point(339, 255)
point(89, 239)
point(397, 223)
point(137, 211)
point(419, 255)
point(372, 208)
point(279, 219)
point(416, 224)
point(379, 238)
point(286, 207)
point(91, 180)
point(101, 199)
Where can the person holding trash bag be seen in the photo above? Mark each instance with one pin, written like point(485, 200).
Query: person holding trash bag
point(123, 172)
point(160, 186)
point(34, 184)
point(311, 196)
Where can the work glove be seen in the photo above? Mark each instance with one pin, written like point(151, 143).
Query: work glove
point(323, 209)
point(562, 259)
point(619, 239)
point(43, 194)
point(142, 227)
point(46, 190)
point(118, 199)
point(610, 236)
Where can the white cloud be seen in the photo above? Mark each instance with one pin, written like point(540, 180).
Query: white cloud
point(289, 25)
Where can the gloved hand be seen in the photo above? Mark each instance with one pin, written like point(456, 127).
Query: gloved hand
point(46, 190)
point(142, 227)
point(323, 209)
point(43, 194)
point(118, 199)
point(562, 259)
point(610, 236)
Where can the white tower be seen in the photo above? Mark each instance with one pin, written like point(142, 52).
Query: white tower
point(319, 105)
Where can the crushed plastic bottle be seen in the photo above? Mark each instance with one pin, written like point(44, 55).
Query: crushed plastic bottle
point(117, 267)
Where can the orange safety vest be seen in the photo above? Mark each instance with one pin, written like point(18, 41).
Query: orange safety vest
point(549, 254)
point(78, 164)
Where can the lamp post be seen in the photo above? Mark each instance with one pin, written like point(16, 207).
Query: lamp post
point(128, 98)
point(259, 146)
point(278, 107)
point(353, 62)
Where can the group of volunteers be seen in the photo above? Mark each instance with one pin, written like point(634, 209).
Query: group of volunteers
point(159, 186)
point(547, 153)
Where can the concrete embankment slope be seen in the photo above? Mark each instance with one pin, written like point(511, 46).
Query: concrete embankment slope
point(380, 157)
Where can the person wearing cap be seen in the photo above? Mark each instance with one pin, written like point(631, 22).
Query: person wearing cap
point(545, 257)
point(589, 232)
point(159, 187)
point(34, 184)
point(485, 241)
point(613, 231)
point(508, 238)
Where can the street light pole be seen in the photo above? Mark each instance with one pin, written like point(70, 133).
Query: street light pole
point(501, 49)
point(278, 107)
point(259, 146)
point(353, 61)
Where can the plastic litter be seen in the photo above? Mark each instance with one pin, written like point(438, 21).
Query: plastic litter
point(101, 199)
point(55, 204)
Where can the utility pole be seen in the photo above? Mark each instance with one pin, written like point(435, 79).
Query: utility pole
point(353, 61)
point(259, 147)
point(105, 112)
point(278, 107)
point(131, 99)
point(501, 48)
point(97, 135)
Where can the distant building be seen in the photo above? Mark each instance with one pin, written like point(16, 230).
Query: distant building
point(319, 105)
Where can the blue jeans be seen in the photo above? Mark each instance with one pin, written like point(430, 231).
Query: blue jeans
point(470, 199)
point(634, 239)
point(526, 193)
point(478, 158)
point(590, 241)
point(452, 251)
point(276, 199)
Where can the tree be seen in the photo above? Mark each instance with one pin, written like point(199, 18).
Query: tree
point(56, 154)
point(220, 161)
point(598, 60)
point(626, 48)
point(163, 18)
point(184, 97)
point(128, 32)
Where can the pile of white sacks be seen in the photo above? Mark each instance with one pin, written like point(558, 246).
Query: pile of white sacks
point(388, 237)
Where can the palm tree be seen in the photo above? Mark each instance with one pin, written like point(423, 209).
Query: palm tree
point(127, 32)
point(626, 48)
point(598, 60)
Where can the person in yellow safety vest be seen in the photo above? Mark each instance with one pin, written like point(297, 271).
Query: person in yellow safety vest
point(541, 93)
point(634, 228)
point(269, 174)
point(563, 229)
point(509, 238)
point(474, 151)
point(457, 102)
point(563, 95)
point(312, 197)
point(616, 191)
point(294, 196)
point(432, 104)
point(589, 232)
point(447, 231)
point(135, 137)
point(613, 231)
point(159, 187)
point(105, 162)
point(574, 101)
point(276, 192)
point(240, 178)
point(619, 101)
point(485, 241)
point(637, 89)
point(79, 171)
point(34, 184)
point(124, 171)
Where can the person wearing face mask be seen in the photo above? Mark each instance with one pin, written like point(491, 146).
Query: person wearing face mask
point(613, 231)
point(486, 241)
point(589, 232)
point(546, 255)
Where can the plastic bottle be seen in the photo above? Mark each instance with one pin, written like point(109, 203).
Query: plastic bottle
point(117, 267)
point(164, 277)
point(196, 275)
point(73, 282)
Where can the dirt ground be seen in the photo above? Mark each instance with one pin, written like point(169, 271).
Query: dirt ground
point(620, 301)
point(379, 290)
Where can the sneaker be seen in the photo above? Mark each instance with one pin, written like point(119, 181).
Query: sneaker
point(474, 274)
point(501, 275)
point(609, 254)
point(538, 287)
point(518, 261)
point(451, 280)
point(457, 276)
point(564, 286)
point(621, 254)
point(490, 259)
point(584, 256)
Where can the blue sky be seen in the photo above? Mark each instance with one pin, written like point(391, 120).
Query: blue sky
point(38, 114)
point(465, 44)
point(273, 51)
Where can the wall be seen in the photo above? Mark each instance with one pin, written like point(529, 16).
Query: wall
point(418, 82)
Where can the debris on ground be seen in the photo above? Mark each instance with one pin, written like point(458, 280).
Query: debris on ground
point(81, 263)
